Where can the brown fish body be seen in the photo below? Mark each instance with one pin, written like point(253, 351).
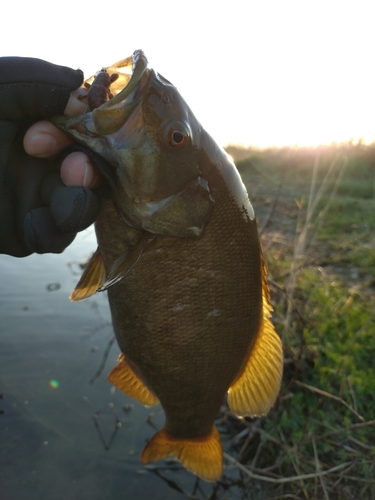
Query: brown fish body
point(188, 313)
point(180, 255)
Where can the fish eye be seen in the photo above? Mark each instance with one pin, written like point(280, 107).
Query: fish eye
point(177, 135)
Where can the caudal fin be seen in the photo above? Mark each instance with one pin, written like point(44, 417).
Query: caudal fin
point(203, 456)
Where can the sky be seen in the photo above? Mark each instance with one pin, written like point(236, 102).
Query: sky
point(262, 73)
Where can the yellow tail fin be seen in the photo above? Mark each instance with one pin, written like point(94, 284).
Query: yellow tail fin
point(124, 378)
point(203, 456)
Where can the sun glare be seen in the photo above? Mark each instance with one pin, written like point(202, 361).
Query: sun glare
point(280, 73)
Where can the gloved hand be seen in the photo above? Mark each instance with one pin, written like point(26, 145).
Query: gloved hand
point(38, 213)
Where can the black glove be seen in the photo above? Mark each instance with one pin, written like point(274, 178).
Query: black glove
point(37, 212)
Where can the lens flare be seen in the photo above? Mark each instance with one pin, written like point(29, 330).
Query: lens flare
point(54, 383)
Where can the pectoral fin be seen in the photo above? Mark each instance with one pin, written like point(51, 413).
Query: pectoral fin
point(256, 389)
point(125, 263)
point(124, 378)
point(203, 456)
point(91, 280)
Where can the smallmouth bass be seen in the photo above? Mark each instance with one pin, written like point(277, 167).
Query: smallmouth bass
point(179, 252)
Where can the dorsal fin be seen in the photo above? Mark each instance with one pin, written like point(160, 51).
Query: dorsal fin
point(91, 280)
point(256, 389)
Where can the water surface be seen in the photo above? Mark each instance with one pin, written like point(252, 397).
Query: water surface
point(65, 432)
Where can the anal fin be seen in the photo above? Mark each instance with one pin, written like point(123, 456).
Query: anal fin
point(202, 456)
point(256, 389)
point(124, 378)
point(91, 280)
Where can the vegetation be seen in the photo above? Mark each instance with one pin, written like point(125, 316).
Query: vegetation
point(316, 215)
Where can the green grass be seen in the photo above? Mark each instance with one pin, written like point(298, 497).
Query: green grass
point(316, 211)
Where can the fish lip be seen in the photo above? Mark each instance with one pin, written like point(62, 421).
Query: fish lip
point(140, 67)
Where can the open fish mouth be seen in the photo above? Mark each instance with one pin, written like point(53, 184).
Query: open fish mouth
point(128, 90)
point(111, 115)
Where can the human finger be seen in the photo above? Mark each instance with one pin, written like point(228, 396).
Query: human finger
point(77, 170)
point(77, 103)
point(44, 140)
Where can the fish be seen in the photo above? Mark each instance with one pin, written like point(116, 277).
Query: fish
point(180, 257)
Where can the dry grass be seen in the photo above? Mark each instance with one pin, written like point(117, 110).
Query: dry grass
point(319, 440)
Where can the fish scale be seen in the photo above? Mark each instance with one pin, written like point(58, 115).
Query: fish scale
point(183, 347)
